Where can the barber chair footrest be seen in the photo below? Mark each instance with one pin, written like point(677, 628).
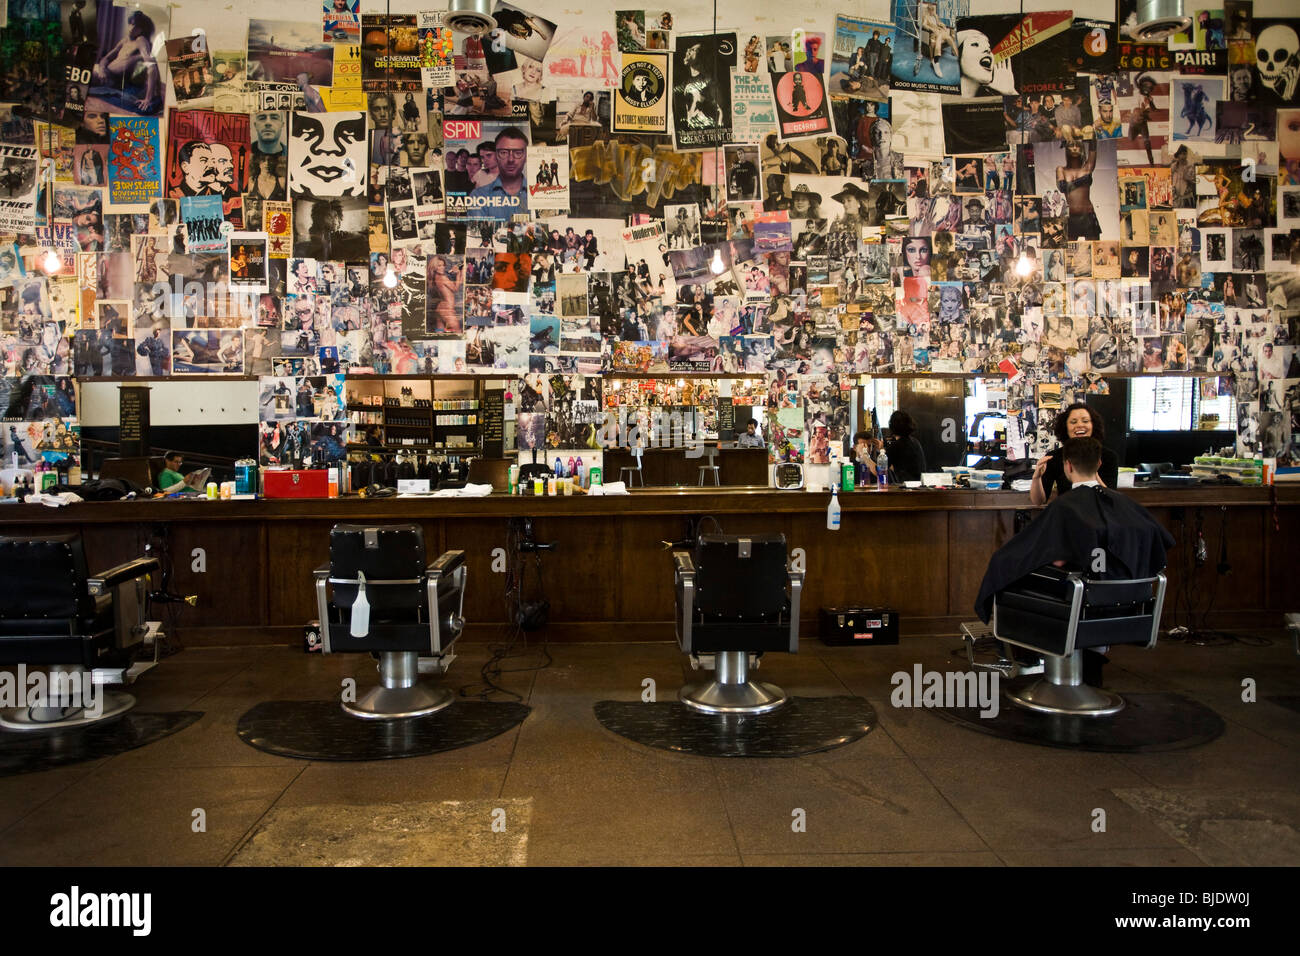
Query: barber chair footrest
point(715, 697)
point(1077, 700)
point(435, 665)
point(395, 703)
point(24, 719)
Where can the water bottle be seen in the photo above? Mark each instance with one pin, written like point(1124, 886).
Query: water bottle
point(882, 470)
point(833, 510)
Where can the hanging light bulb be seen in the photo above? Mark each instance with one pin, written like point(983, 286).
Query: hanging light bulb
point(51, 263)
point(1024, 266)
point(390, 277)
point(716, 265)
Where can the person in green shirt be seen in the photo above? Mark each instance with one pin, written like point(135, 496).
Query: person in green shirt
point(171, 473)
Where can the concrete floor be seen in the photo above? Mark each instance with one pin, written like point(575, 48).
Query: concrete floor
point(917, 790)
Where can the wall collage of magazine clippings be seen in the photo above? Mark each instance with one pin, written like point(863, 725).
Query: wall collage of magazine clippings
point(1030, 195)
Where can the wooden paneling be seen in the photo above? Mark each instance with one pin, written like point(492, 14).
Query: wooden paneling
point(611, 579)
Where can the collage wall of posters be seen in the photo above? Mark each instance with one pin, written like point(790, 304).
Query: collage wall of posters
point(931, 189)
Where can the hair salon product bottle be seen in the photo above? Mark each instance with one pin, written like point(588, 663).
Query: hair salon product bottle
point(578, 471)
point(882, 470)
point(571, 467)
point(559, 468)
point(833, 510)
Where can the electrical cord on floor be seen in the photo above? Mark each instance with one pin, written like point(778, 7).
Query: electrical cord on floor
point(1194, 629)
point(512, 632)
point(158, 545)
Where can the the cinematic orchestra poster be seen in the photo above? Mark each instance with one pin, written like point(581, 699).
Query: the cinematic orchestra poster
point(934, 187)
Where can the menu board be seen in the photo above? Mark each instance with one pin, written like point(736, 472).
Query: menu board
point(494, 423)
point(133, 421)
point(726, 420)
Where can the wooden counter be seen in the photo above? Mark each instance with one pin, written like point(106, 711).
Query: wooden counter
point(921, 552)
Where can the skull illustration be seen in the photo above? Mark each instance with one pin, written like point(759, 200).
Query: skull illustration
point(1275, 49)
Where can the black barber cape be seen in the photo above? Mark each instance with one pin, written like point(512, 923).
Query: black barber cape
point(1069, 529)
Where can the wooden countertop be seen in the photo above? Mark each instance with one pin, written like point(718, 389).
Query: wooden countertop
point(652, 501)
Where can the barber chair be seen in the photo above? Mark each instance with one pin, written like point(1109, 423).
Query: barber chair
point(84, 628)
point(1059, 614)
point(735, 598)
point(377, 595)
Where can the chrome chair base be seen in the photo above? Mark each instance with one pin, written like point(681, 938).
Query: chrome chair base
point(395, 703)
point(1061, 691)
point(747, 699)
point(399, 694)
point(732, 692)
point(28, 719)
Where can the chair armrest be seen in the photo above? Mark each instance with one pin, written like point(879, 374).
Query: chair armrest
point(322, 572)
point(447, 562)
point(121, 574)
point(796, 589)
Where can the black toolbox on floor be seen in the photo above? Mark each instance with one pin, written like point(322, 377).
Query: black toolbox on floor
point(844, 626)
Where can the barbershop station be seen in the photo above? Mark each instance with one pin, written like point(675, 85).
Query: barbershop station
point(523, 434)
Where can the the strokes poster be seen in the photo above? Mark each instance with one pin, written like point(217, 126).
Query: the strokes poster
point(701, 101)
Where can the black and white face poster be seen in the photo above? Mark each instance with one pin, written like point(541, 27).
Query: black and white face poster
point(702, 90)
point(327, 154)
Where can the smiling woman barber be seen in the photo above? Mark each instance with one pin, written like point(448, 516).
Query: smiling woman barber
point(1076, 421)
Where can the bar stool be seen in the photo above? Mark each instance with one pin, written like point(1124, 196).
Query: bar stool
point(626, 473)
point(712, 469)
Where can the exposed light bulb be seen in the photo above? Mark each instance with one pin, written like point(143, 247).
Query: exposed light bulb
point(716, 265)
point(390, 277)
point(51, 263)
point(1023, 266)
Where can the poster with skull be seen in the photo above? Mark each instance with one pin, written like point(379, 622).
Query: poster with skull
point(1277, 60)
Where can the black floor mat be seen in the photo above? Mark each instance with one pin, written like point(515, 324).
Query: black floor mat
point(1149, 723)
point(805, 725)
point(320, 730)
point(28, 751)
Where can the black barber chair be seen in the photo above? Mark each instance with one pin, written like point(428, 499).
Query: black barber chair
point(386, 601)
point(84, 628)
point(735, 597)
point(1059, 614)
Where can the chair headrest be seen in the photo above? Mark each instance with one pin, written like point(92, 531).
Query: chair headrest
point(380, 551)
point(741, 575)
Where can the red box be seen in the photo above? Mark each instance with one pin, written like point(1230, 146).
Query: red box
point(301, 483)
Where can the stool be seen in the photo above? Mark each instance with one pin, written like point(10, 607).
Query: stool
point(627, 471)
point(713, 470)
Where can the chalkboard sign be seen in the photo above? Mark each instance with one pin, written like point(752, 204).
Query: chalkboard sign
point(726, 420)
point(133, 421)
point(494, 423)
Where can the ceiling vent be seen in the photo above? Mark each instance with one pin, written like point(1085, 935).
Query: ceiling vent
point(471, 16)
point(1159, 20)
